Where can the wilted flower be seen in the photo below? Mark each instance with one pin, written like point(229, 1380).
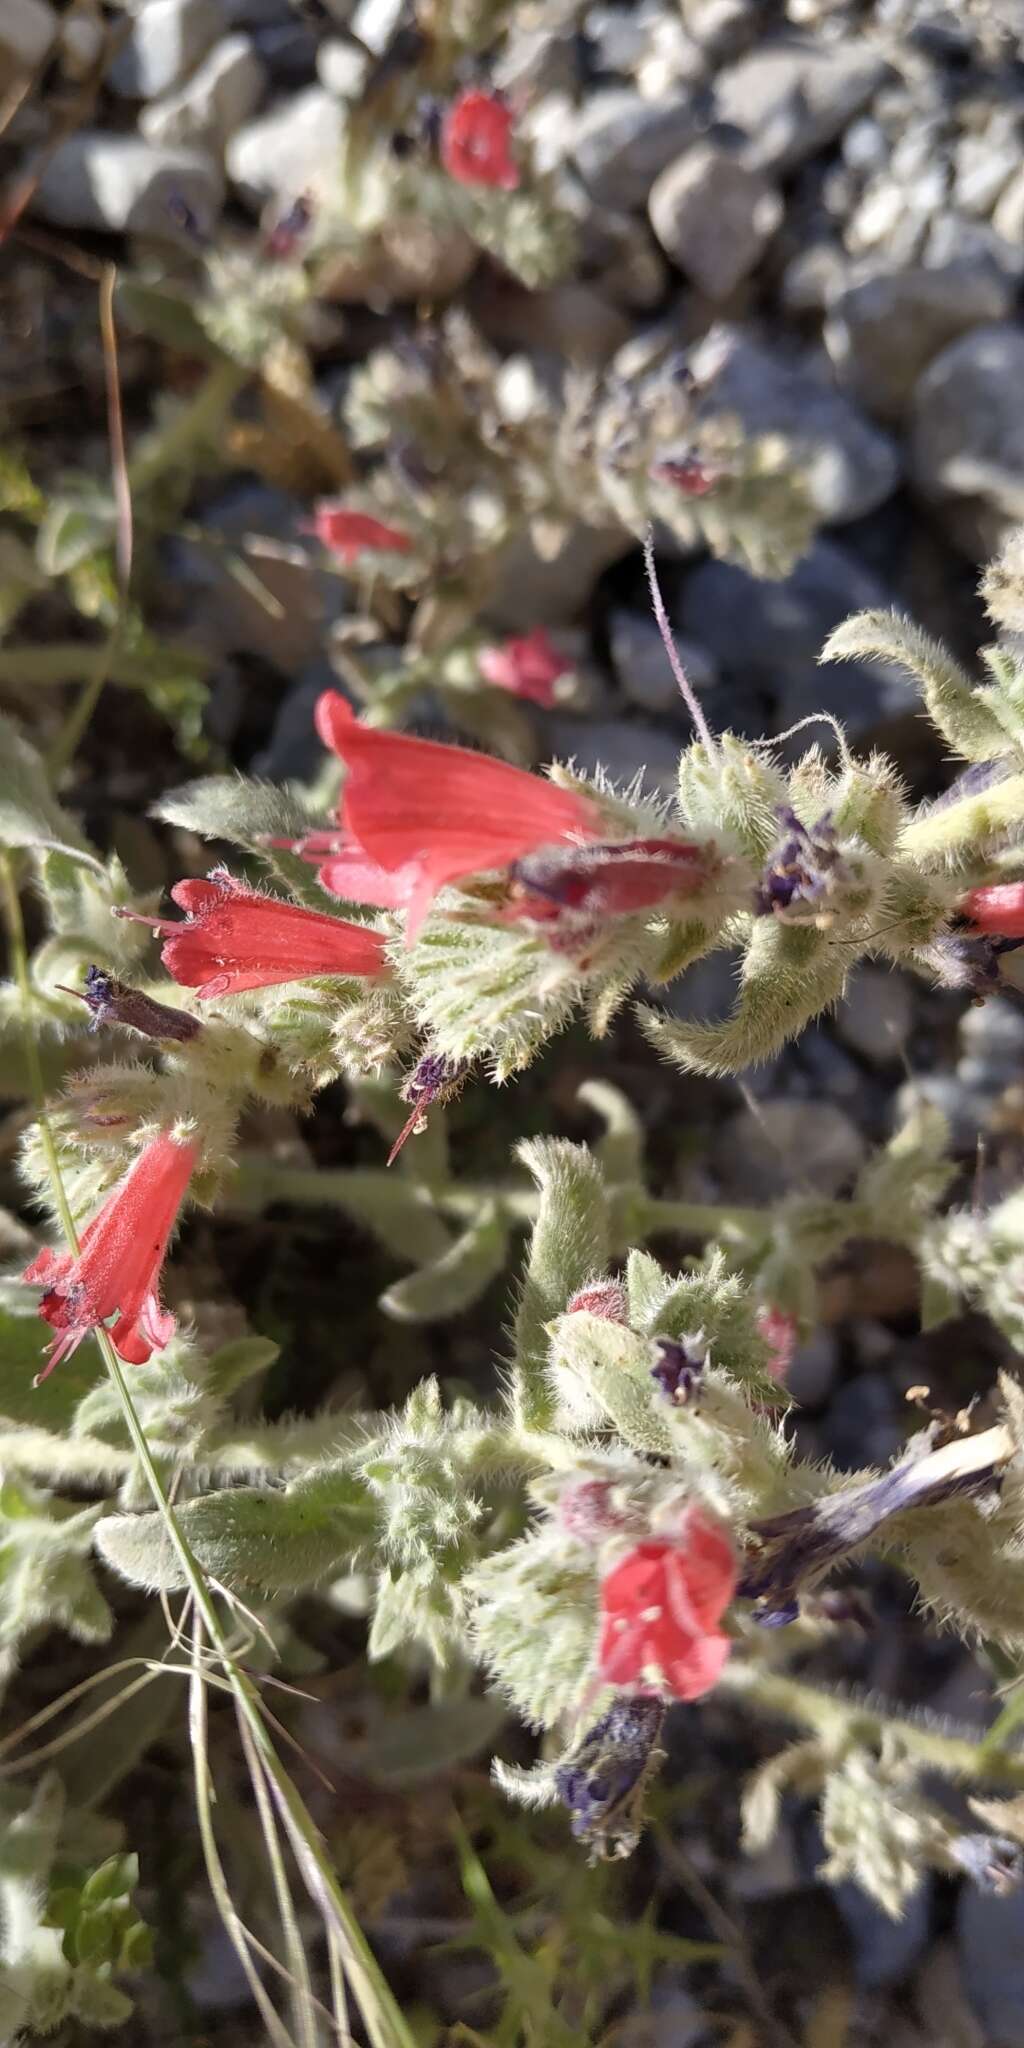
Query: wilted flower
point(602, 1783)
point(678, 1366)
point(967, 960)
point(475, 141)
point(235, 939)
point(435, 813)
point(802, 871)
point(349, 534)
point(117, 1268)
point(660, 1610)
point(287, 232)
point(803, 1543)
point(434, 1079)
point(583, 886)
point(526, 666)
point(112, 1002)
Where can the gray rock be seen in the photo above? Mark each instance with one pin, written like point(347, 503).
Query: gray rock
point(985, 163)
point(790, 1145)
point(375, 21)
point(990, 1934)
point(876, 1017)
point(294, 752)
point(967, 435)
point(28, 29)
point(952, 238)
point(642, 668)
point(81, 40)
point(883, 330)
point(814, 1370)
point(850, 465)
point(619, 745)
point(207, 109)
point(1008, 217)
point(287, 149)
point(551, 590)
point(116, 182)
point(713, 217)
point(223, 612)
point(992, 1037)
point(166, 41)
point(791, 98)
point(621, 142)
point(965, 1109)
point(289, 51)
point(618, 36)
point(769, 636)
point(342, 68)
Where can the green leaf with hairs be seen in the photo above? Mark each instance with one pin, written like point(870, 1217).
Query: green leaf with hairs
point(29, 811)
point(568, 1246)
point(455, 1280)
point(963, 718)
point(789, 976)
point(250, 1539)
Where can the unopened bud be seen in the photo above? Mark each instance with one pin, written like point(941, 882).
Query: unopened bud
point(604, 1298)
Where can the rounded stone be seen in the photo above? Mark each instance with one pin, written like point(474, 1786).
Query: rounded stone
point(967, 436)
point(714, 217)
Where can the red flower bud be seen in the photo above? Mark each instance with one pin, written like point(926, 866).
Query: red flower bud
point(350, 534)
point(604, 1298)
point(997, 909)
point(780, 1332)
point(527, 666)
point(475, 141)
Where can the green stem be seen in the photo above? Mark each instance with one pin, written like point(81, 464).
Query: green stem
point(843, 1722)
point(193, 424)
point(28, 668)
point(258, 1183)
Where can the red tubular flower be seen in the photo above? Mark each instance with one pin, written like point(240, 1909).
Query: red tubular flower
point(997, 910)
point(780, 1333)
point(441, 812)
point(660, 1610)
point(475, 139)
point(344, 870)
point(350, 534)
point(609, 880)
point(235, 939)
point(527, 666)
point(117, 1270)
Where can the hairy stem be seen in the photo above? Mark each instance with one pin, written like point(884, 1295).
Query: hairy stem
point(842, 1722)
